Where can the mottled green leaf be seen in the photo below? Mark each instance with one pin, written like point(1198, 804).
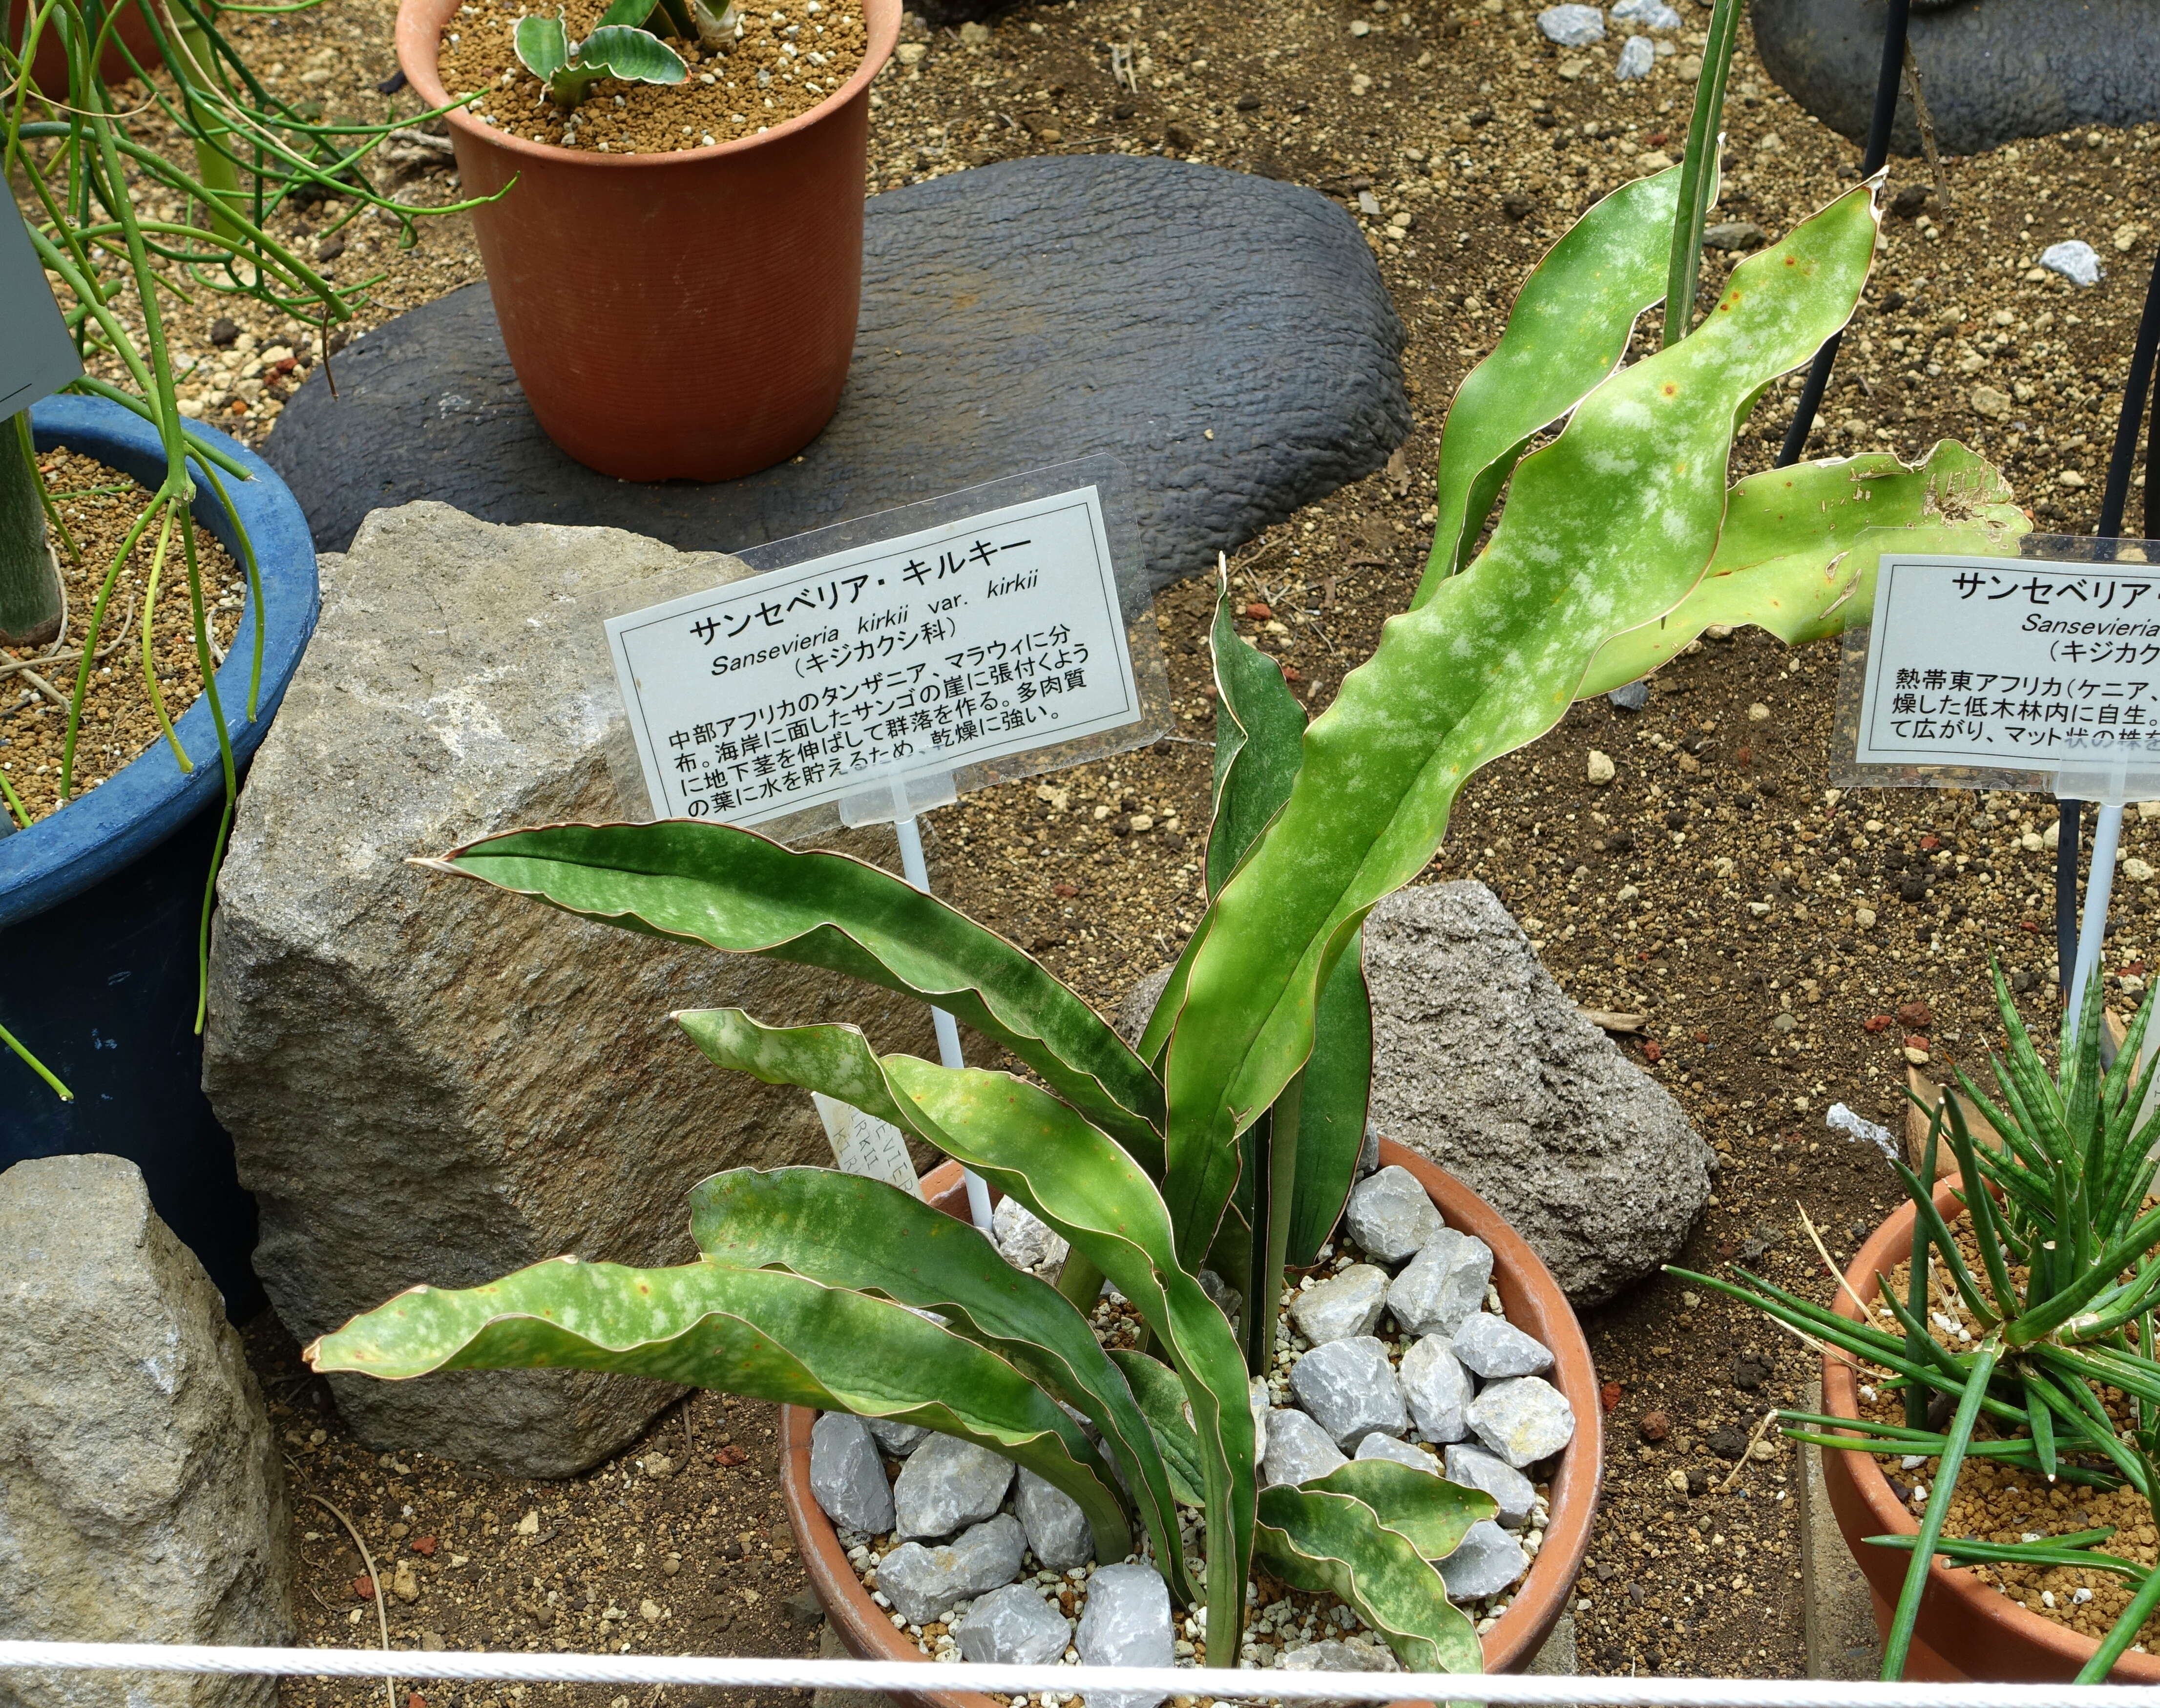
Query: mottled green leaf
point(1425, 1506)
point(1335, 1092)
point(1161, 1397)
point(629, 13)
point(632, 55)
point(1260, 733)
point(543, 48)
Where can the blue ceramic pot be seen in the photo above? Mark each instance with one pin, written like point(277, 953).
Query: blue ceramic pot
point(100, 905)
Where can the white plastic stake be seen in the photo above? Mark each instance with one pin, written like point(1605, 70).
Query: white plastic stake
point(917, 870)
point(2099, 881)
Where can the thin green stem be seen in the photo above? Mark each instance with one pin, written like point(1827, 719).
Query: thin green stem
point(1899, 1641)
point(1698, 170)
point(2125, 1629)
point(35, 1066)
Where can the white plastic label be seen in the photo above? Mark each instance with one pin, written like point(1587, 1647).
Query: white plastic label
point(2013, 664)
point(864, 1145)
point(968, 641)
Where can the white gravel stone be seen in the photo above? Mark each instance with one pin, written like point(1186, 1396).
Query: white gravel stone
point(1258, 1398)
point(1486, 1561)
point(1125, 1623)
point(897, 1439)
point(1056, 1529)
point(1443, 1284)
point(923, 1583)
point(1012, 1627)
point(1346, 1304)
point(1475, 1468)
point(1348, 1390)
point(1523, 1419)
point(1391, 1216)
point(1572, 26)
point(1437, 1389)
point(2074, 258)
point(1298, 1448)
point(1650, 14)
point(1354, 1655)
point(1023, 1238)
point(1493, 1349)
point(1638, 53)
point(947, 1483)
point(847, 1474)
point(1377, 1446)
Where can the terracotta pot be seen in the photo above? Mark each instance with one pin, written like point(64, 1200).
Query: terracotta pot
point(1967, 1629)
point(684, 316)
point(50, 71)
point(1535, 1304)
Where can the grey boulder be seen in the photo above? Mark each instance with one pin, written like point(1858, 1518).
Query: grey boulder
point(1435, 1389)
point(897, 1439)
point(1491, 1347)
point(1475, 1468)
point(1024, 1240)
point(1523, 1419)
point(1390, 1216)
point(1298, 1448)
point(1571, 26)
point(947, 1483)
point(1485, 1562)
point(1126, 1623)
point(1347, 1388)
point(1346, 1304)
point(1056, 1529)
point(1444, 1286)
point(141, 1495)
point(1012, 1627)
point(1485, 1066)
point(847, 1474)
point(923, 1583)
point(1377, 1446)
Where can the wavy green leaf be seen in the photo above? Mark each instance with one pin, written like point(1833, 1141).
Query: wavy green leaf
point(740, 891)
point(1566, 333)
point(1330, 1544)
point(632, 55)
point(630, 13)
point(848, 1231)
point(542, 46)
point(761, 1333)
point(1425, 1506)
point(1611, 524)
point(1161, 1397)
point(1335, 1094)
point(1259, 735)
point(1800, 547)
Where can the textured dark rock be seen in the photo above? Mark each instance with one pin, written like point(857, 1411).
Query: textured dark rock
point(1014, 316)
point(1994, 69)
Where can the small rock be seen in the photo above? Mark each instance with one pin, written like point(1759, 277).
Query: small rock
point(1368, 1155)
point(1181, 137)
point(1994, 405)
point(1391, 1216)
point(1377, 1446)
point(1056, 1529)
point(1906, 204)
point(1012, 1627)
point(1631, 696)
point(1572, 26)
point(1473, 1467)
point(1443, 1284)
point(1493, 1349)
point(1328, 1655)
point(1769, 143)
point(1023, 1238)
point(1346, 1305)
point(1524, 1419)
point(1916, 1015)
point(2074, 259)
point(224, 333)
point(847, 1474)
point(922, 1583)
point(1348, 1390)
point(1748, 1373)
point(1298, 1448)
point(1653, 162)
point(1126, 1623)
point(1225, 1298)
point(1784, 1023)
point(946, 1483)
point(1654, 1426)
point(1258, 1398)
point(1600, 771)
point(1728, 1442)
point(1650, 14)
point(1734, 236)
point(1485, 1562)
point(1435, 1389)
point(1638, 53)
point(897, 1439)
point(2137, 870)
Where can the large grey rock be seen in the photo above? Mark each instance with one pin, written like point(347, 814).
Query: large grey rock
point(1482, 1064)
point(1377, 1446)
point(923, 1583)
point(1475, 1468)
point(1523, 1419)
point(1126, 1623)
point(1228, 337)
point(1344, 1305)
point(1024, 1240)
point(1436, 1388)
point(1056, 1529)
point(1444, 1286)
point(945, 1484)
point(1390, 1215)
point(1490, 1348)
point(1993, 71)
point(1354, 1655)
point(429, 1080)
point(847, 1474)
point(1485, 1562)
point(896, 1438)
point(1298, 1448)
point(1571, 26)
point(141, 1495)
point(1012, 1627)
point(1348, 1390)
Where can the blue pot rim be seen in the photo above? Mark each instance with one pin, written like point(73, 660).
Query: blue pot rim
point(144, 802)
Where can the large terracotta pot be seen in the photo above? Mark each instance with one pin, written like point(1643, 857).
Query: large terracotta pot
point(1967, 1629)
point(684, 316)
point(49, 70)
point(1535, 1304)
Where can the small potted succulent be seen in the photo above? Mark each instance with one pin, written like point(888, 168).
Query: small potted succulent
point(673, 226)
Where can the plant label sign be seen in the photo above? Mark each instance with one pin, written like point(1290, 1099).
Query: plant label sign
point(862, 1144)
point(2012, 664)
point(972, 641)
point(36, 357)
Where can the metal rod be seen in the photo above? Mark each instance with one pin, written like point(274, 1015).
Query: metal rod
point(2099, 880)
point(2117, 494)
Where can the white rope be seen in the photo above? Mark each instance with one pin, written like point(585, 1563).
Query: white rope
point(742, 1671)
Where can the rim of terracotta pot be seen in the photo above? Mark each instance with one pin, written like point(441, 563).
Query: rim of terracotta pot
point(1535, 1304)
point(419, 37)
point(1891, 1243)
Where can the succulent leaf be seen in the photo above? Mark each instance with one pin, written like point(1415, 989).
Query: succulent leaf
point(635, 56)
point(1324, 1543)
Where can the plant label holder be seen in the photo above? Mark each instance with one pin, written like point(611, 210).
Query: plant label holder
point(36, 357)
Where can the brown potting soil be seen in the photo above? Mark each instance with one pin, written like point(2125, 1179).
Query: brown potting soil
point(786, 60)
point(97, 505)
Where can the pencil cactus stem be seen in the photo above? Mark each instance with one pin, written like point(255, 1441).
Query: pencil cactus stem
point(29, 573)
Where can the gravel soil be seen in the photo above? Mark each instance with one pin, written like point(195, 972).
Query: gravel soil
point(1715, 885)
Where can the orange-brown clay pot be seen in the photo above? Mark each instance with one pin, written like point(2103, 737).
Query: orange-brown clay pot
point(49, 70)
point(683, 316)
point(1535, 1304)
point(1967, 1629)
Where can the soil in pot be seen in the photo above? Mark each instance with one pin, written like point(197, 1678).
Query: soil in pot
point(787, 60)
point(98, 505)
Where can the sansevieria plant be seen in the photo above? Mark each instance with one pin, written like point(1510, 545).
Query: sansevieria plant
point(1228, 1138)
